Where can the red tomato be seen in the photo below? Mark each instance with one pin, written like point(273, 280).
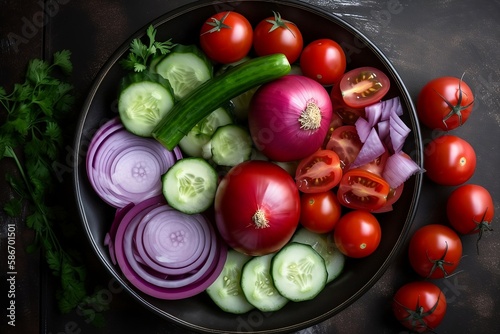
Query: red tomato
point(435, 251)
point(319, 212)
point(419, 306)
point(276, 35)
point(320, 171)
point(393, 197)
point(363, 86)
point(347, 114)
point(357, 234)
point(360, 189)
point(257, 207)
point(377, 165)
point(345, 141)
point(324, 61)
point(470, 209)
point(449, 160)
point(445, 103)
point(226, 37)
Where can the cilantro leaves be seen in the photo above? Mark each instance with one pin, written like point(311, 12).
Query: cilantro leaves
point(140, 54)
point(32, 135)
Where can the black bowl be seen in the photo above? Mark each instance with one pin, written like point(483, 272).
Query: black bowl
point(199, 313)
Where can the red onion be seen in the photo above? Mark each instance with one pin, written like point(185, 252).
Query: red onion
point(186, 249)
point(289, 117)
point(124, 168)
point(398, 168)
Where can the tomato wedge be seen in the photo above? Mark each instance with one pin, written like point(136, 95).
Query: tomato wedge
point(345, 141)
point(361, 189)
point(320, 171)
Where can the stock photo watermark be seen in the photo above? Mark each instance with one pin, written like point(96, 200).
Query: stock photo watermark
point(32, 25)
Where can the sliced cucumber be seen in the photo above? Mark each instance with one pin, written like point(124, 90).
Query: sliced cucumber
point(144, 99)
point(230, 145)
point(299, 272)
point(190, 185)
point(258, 286)
point(185, 67)
point(325, 246)
point(201, 134)
point(226, 290)
point(213, 93)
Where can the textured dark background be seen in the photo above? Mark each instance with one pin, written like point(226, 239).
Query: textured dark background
point(424, 39)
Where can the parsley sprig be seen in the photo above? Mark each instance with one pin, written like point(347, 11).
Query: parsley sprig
point(32, 136)
point(141, 54)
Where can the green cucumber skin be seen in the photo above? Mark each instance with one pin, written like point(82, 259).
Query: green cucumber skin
point(215, 92)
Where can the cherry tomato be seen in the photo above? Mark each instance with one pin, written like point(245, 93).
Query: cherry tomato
point(445, 103)
point(257, 207)
point(357, 234)
point(276, 35)
point(345, 141)
point(363, 86)
point(324, 61)
point(470, 209)
point(377, 165)
point(419, 306)
point(320, 171)
point(449, 160)
point(360, 189)
point(226, 37)
point(435, 251)
point(319, 212)
point(347, 114)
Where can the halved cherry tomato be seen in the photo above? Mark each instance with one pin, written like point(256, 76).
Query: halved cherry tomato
point(324, 61)
point(377, 165)
point(363, 86)
point(347, 114)
point(345, 141)
point(360, 189)
point(393, 197)
point(226, 37)
point(319, 212)
point(320, 171)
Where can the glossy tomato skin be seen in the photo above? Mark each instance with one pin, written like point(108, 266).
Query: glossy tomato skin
point(445, 103)
point(323, 60)
point(449, 160)
point(362, 190)
point(277, 35)
point(321, 171)
point(226, 37)
point(345, 141)
point(319, 212)
point(363, 86)
point(435, 251)
point(470, 209)
point(357, 234)
point(419, 306)
point(257, 207)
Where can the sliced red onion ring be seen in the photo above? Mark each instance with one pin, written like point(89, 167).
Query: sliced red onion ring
point(151, 251)
point(125, 168)
point(160, 285)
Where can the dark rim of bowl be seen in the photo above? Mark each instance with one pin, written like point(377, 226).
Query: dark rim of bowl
point(417, 155)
